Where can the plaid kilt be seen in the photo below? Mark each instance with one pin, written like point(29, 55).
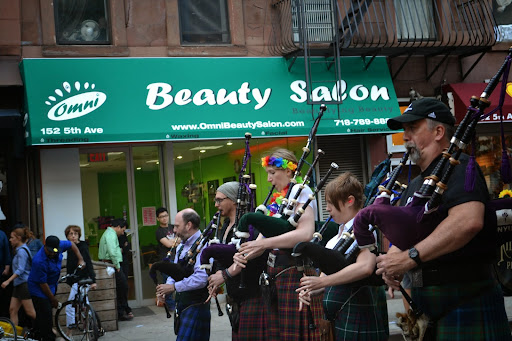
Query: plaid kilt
point(363, 313)
point(482, 317)
point(195, 323)
point(252, 320)
point(286, 322)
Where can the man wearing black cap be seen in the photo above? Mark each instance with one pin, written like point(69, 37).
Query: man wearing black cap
point(452, 278)
point(43, 279)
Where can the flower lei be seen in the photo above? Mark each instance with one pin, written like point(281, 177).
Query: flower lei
point(277, 199)
point(506, 193)
point(278, 162)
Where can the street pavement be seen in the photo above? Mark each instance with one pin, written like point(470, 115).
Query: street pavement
point(150, 323)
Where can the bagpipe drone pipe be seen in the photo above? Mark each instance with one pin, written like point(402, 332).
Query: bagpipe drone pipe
point(222, 254)
point(271, 226)
point(333, 260)
point(406, 226)
point(185, 266)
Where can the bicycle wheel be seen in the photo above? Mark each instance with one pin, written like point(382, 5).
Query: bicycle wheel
point(91, 330)
point(7, 330)
point(67, 332)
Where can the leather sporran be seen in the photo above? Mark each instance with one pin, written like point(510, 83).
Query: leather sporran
point(233, 311)
point(177, 322)
point(326, 329)
point(268, 289)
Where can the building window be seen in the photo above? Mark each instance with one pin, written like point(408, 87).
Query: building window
point(82, 22)
point(204, 22)
point(415, 20)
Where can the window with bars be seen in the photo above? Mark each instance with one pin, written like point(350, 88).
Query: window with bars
point(415, 20)
point(82, 22)
point(204, 22)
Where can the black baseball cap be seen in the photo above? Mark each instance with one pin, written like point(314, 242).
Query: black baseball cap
point(52, 244)
point(420, 109)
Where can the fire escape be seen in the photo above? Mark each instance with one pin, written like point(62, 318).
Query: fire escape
point(320, 31)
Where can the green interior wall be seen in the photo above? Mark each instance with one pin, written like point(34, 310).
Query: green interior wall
point(218, 168)
point(113, 199)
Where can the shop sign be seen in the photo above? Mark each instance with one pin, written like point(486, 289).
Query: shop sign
point(157, 99)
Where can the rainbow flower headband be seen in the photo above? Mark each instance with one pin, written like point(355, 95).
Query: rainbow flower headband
point(278, 162)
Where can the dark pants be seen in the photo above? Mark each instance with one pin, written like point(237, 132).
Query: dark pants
point(5, 297)
point(43, 322)
point(122, 293)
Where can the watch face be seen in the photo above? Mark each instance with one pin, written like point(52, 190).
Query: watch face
point(413, 253)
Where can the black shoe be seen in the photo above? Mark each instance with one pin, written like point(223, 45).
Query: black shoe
point(125, 317)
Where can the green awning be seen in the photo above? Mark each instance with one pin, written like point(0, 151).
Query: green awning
point(98, 100)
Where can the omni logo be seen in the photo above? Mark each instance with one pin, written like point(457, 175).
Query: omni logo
point(69, 105)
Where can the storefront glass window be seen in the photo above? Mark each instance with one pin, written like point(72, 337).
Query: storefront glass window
point(488, 155)
point(202, 166)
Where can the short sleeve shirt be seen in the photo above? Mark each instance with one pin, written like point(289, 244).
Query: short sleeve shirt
point(46, 270)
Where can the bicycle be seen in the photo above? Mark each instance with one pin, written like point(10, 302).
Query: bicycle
point(11, 332)
point(87, 325)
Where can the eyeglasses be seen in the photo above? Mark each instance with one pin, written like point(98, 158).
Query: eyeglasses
point(219, 200)
point(163, 216)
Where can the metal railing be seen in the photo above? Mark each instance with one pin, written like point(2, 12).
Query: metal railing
point(393, 27)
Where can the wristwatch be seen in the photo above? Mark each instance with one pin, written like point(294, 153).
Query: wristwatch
point(415, 256)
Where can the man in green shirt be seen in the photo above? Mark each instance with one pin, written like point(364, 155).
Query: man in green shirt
point(110, 252)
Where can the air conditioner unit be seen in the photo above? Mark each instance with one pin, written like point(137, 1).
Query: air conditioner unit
point(317, 19)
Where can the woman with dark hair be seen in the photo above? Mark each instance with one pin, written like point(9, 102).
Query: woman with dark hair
point(21, 265)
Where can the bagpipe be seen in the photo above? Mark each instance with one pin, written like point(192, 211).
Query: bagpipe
point(408, 225)
point(333, 260)
point(282, 221)
point(185, 266)
point(223, 253)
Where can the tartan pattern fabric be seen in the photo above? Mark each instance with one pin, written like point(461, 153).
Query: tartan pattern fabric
point(195, 323)
point(363, 314)
point(252, 320)
point(284, 321)
point(482, 317)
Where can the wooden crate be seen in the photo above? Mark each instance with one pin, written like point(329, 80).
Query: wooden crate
point(103, 299)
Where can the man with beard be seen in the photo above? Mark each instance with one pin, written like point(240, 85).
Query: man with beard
point(451, 272)
point(43, 279)
point(192, 319)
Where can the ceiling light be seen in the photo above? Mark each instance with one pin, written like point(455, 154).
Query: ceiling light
point(84, 164)
point(115, 153)
point(179, 157)
point(229, 143)
point(139, 168)
point(152, 161)
point(202, 151)
point(206, 147)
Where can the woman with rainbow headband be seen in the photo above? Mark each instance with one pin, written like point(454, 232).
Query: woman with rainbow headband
point(284, 320)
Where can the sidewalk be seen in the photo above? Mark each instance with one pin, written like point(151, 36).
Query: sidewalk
point(150, 323)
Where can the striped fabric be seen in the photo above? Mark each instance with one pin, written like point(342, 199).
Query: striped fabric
point(286, 323)
point(252, 321)
point(482, 317)
point(195, 323)
point(363, 313)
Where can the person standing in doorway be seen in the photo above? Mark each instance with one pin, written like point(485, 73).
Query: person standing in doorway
point(110, 252)
point(167, 242)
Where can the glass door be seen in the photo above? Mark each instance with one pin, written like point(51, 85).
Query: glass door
point(124, 182)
